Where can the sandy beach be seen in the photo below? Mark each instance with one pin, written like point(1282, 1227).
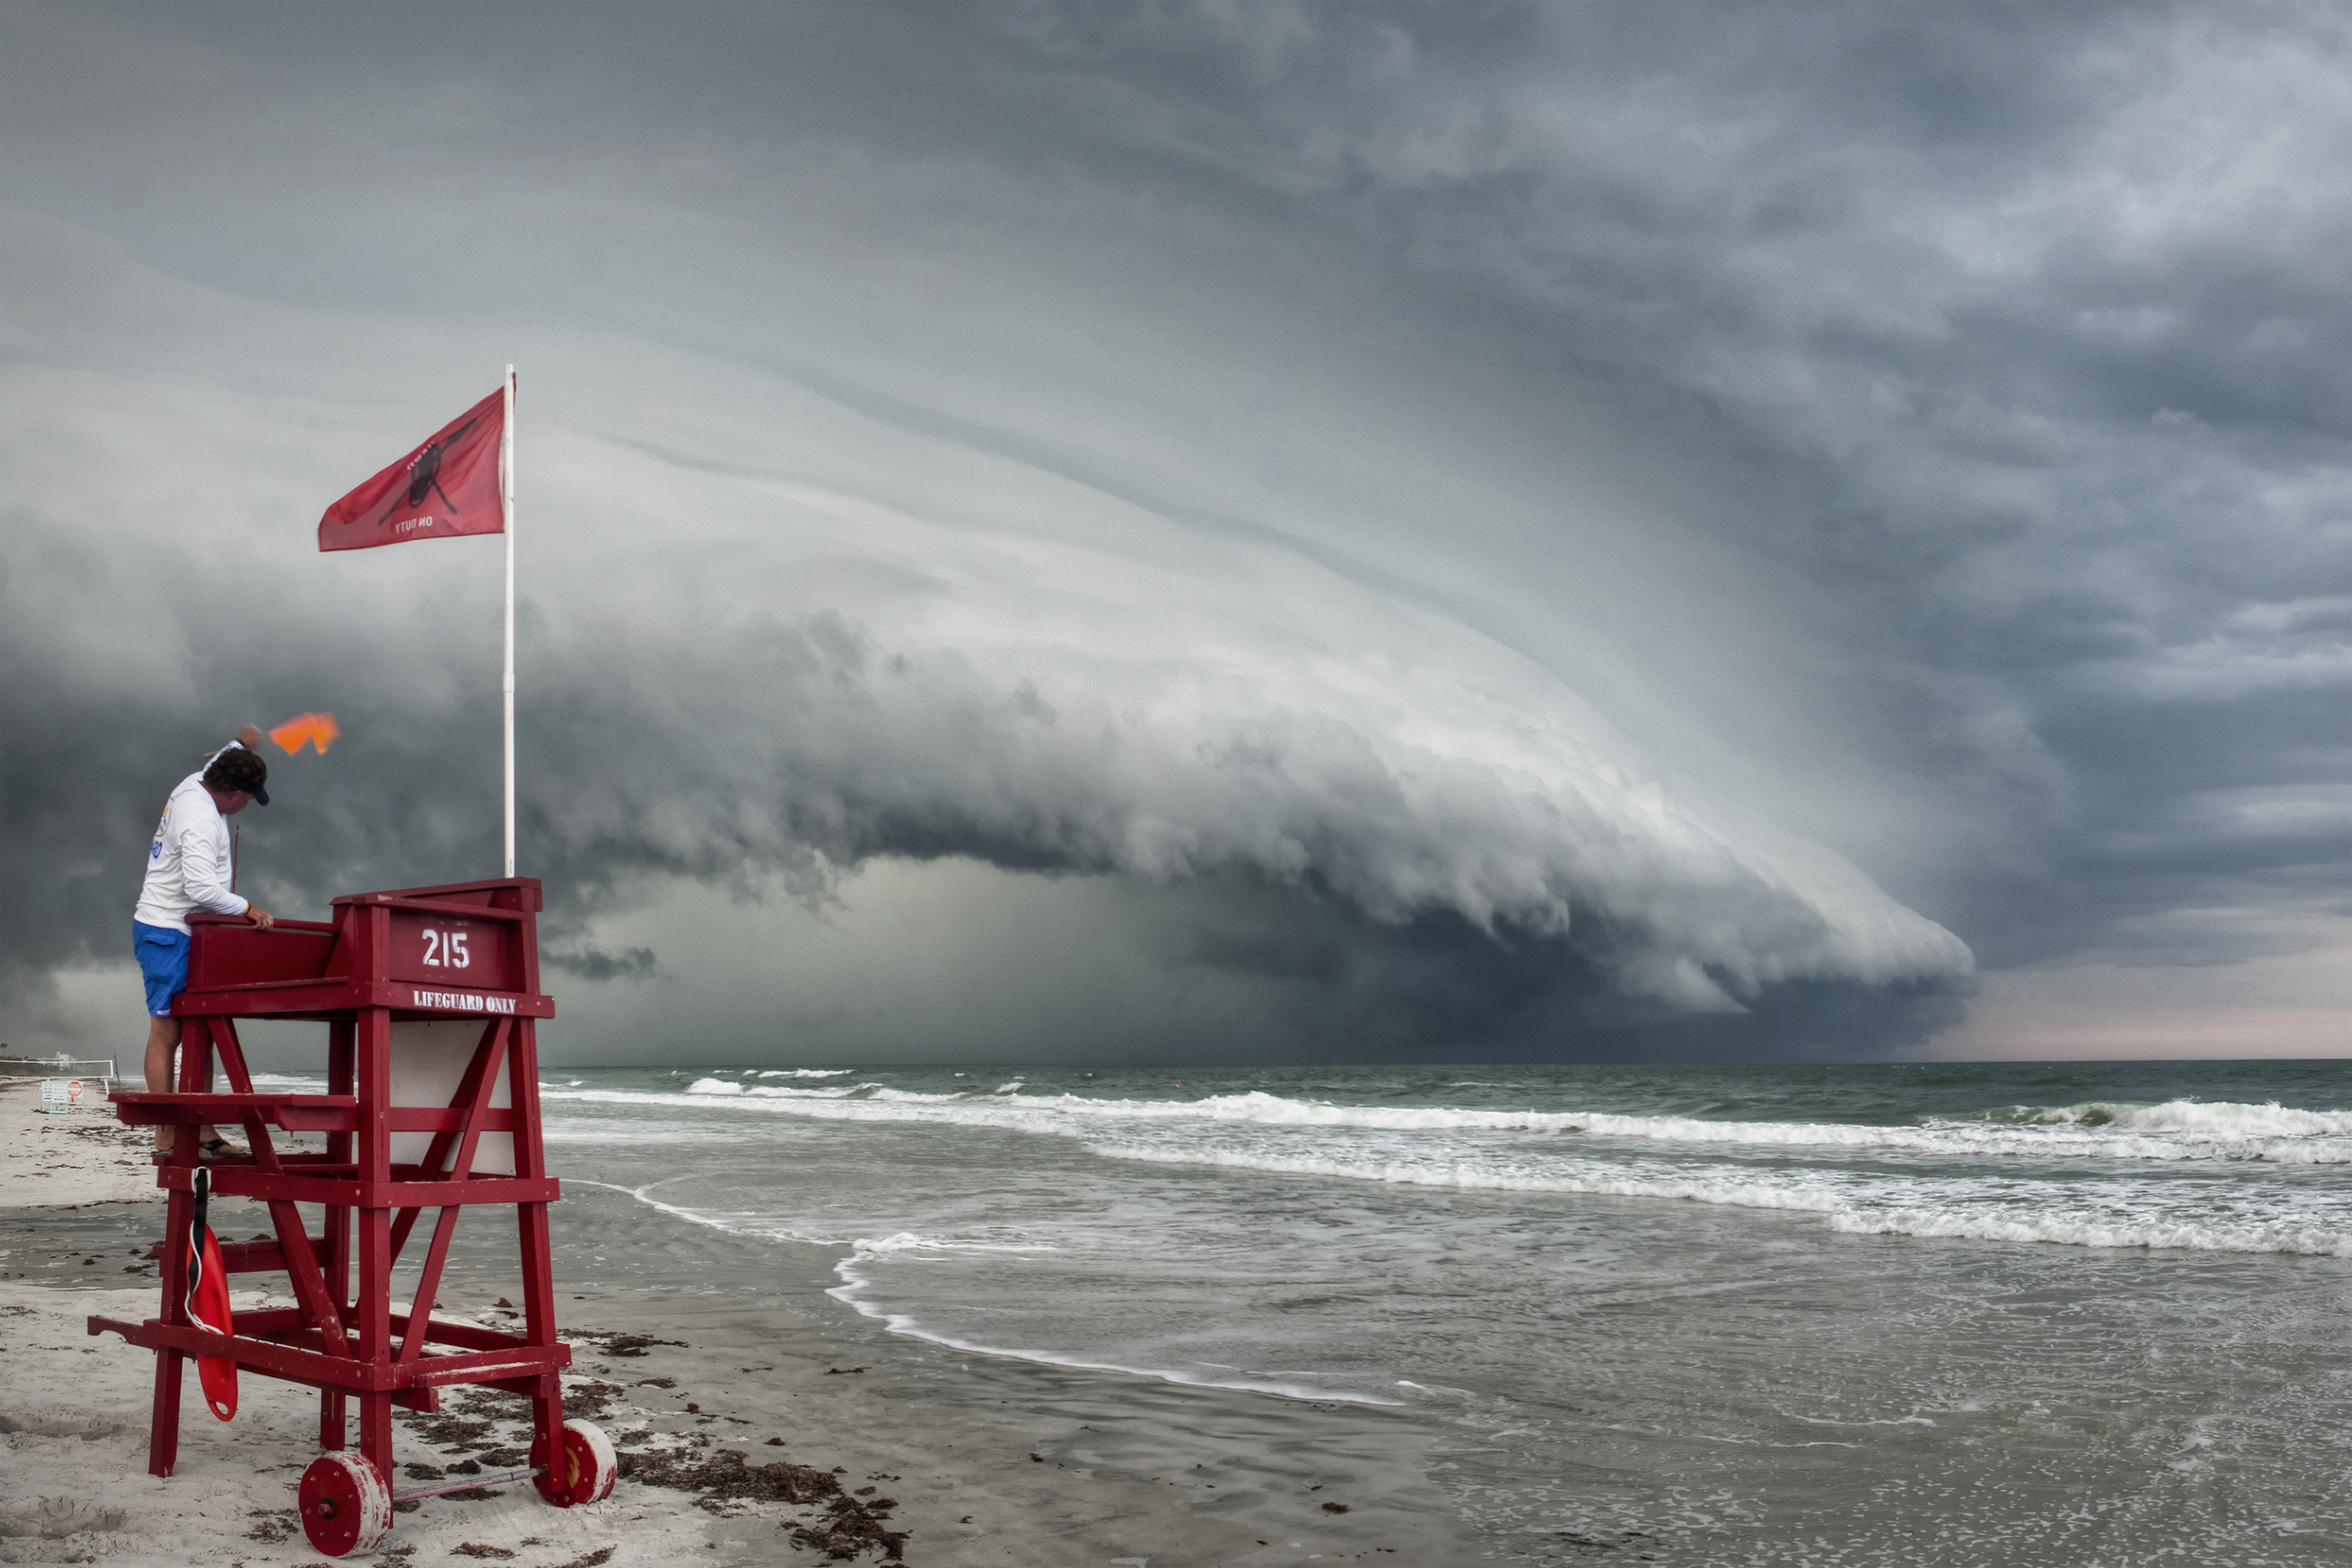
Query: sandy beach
point(59, 1161)
point(766, 1422)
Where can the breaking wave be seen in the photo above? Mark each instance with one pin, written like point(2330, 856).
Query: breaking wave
point(2173, 1130)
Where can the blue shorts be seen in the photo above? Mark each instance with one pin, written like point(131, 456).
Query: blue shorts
point(163, 964)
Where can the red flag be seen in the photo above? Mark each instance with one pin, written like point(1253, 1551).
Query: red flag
point(447, 487)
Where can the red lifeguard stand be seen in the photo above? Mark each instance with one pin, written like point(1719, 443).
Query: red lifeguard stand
point(430, 996)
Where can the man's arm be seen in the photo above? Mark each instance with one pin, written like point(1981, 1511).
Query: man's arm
point(202, 875)
point(249, 737)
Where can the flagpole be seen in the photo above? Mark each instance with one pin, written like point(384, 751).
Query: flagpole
point(507, 499)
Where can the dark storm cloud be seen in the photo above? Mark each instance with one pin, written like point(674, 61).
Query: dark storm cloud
point(1385, 893)
point(1926, 428)
point(2032, 314)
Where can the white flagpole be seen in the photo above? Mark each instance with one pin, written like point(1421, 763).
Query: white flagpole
point(508, 474)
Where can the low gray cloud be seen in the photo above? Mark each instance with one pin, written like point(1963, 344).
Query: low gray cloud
point(596, 963)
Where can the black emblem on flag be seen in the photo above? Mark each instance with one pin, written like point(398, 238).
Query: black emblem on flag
point(425, 468)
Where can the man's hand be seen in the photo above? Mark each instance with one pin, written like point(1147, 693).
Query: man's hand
point(250, 739)
point(259, 916)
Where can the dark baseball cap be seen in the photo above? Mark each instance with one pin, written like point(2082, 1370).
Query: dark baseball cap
point(239, 769)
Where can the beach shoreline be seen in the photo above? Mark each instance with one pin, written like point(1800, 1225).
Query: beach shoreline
point(986, 1459)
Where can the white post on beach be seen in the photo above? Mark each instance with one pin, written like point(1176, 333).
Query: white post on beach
point(507, 485)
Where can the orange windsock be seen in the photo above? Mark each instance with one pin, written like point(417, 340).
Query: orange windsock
point(319, 729)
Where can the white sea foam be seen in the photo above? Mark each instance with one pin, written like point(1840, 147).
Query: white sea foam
point(2193, 1116)
point(856, 1272)
point(2091, 1228)
point(778, 1091)
point(909, 1242)
point(2179, 1130)
point(1762, 1193)
point(765, 1227)
point(808, 1072)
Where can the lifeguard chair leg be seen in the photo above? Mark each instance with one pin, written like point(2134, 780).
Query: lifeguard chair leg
point(342, 1054)
point(538, 1273)
point(539, 1327)
point(164, 1424)
point(547, 1437)
point(375, 1433)
point(164, 1421)
point(372, 1238)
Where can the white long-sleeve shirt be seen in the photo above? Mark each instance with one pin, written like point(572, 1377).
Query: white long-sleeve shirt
point(188, 861)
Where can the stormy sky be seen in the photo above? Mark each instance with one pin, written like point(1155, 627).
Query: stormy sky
point(1215, 532)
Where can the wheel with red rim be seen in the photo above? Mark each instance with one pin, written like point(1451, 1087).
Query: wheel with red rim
point(346, 1506)
point(587, 1470)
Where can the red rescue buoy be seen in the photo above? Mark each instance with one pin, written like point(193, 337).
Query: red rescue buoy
point(208, 1302)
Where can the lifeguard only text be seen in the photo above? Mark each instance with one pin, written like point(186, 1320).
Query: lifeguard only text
point(464, 1002)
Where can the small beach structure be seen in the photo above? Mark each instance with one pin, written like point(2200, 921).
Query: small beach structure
point(430, 996)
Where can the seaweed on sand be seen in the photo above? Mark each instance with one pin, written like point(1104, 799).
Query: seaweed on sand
point(850, 1525)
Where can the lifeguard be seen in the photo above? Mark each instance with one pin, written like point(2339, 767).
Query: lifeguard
point(189, 869)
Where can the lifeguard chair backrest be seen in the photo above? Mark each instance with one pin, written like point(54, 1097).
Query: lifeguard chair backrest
point(449, 952)
point(429, 1063)
point(226, 953)
point(462, 954)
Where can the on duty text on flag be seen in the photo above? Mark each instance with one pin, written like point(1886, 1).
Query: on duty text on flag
point(445, 488)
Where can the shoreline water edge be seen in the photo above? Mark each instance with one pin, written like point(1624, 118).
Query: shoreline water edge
point(2048, 1315)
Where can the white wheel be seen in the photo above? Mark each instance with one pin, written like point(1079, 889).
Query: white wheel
point(346, 1506)
point(587, 1469)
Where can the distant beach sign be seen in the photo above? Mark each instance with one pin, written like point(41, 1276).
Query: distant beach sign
point(60, 1095)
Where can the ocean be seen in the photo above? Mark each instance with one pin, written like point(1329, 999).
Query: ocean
point(2018, 1313)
